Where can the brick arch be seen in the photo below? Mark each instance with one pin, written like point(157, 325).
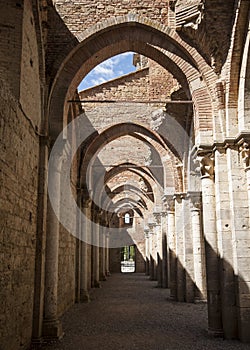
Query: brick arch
point(154, 193)
point(233, 67)
point(111, 34)
point(114, 132)
point(121, 209)
point(122, 187)
point(145, 175)
point(243, 67)
point(244, 89)
point(239, 30)
point(127, 201)
point(121, 196)
point(126, 187)
point(103, 193)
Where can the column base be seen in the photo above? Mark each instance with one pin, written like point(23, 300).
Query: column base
point(244, 324)
point(52, 330)
point(108, 273)
point(36, 343)
point(84, 296)
point(200, 301)
point(216, 333)
point(103, 278)
point(97, 284)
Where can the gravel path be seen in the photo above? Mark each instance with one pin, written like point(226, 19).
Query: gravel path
point(129, 312)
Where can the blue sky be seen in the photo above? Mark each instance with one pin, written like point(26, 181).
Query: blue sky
point(112, 68)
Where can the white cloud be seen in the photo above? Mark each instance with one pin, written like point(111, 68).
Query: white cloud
point(114, 67)
point(101, 69)
point(97, 81)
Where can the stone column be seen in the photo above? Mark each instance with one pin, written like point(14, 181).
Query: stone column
point(242, 235)
point(152, 264)
point(211, 247)
point(107, 255)
point(151, 261)
point(78, 251)
point(158, 247)
point(180, 254)
point(171, 238)
point(198, 247)
point(86, 232)
point(95, 249)
point(165, 251)
point(102, 252)
point(225, 245)
point(188, 250)
point(147, 254)
point(52, 328)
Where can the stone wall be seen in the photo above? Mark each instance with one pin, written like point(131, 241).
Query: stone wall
point(161, 82)
point(151, 83)
point(20, 117)
point(133, 86)
point(19, 151)
point(30, 83)
point(11, 43)
point(66, 270)
point(80, 15)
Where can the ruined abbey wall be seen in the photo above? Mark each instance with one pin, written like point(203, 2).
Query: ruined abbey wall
point(20, 118)
point(36, 37)
point(150, 83)
point(19, 149)
point(80, 15)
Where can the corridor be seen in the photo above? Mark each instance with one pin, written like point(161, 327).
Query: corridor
point(129, 312)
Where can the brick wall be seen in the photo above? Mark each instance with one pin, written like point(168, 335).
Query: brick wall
point(151, 83)
point(30, 98)
point(133, 86)
point(19, 150)
point(161, 82)
point(66, 270)
point(11, 43)
point(80, 15)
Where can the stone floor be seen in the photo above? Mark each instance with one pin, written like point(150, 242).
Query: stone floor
point(129, 312)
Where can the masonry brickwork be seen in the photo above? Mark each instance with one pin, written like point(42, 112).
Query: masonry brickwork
point(150, 83)
point(46, 48)
point(19, 183)
point(86, 13)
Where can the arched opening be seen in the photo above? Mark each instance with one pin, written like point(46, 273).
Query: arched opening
point(131, 34)
point(192, 73)
point(127, 219)
point(128, 259)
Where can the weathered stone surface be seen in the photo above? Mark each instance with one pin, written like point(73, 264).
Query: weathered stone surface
point(19, 149)
point(46, 48)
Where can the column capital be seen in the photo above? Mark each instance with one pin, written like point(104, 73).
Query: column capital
point(245, 154)
point(56, 160)
point(157, 216)
point(168, 202)
point(151, 226)
point(178, 197)
point(206, 161)
point(146, 231)
point(195, 200)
